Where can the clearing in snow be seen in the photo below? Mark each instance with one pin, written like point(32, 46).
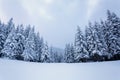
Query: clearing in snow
point(19, 70)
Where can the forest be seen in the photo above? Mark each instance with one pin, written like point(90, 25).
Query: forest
point(99, 42)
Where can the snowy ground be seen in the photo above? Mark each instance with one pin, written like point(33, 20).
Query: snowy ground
point(19, 70)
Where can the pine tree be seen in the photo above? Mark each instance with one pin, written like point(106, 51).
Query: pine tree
point(80, 47)
point(58, 57)
point(26, 31)
point(89, 39)
point(20, 41)
point(4, 32)
point(96, 45)
point(69, 53)
point(103, 32)
point(13, 47)
point(99, 50)
point(39, 46)
point(9, 46)
point(10, 25)
point(20, 29)
point(2, 37)
point(29, 53)
point(52, 54)
point(113, 34)
point(45, 56)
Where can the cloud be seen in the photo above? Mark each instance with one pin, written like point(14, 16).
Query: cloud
point(43, 13)
point(53, 17)
point(92, 6)
point(2, 14)
point(38, 8)
point(71, 7)
point(48, 1)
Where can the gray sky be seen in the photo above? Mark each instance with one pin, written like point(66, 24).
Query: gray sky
point(56, 20)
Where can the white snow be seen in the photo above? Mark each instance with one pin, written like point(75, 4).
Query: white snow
point(19, 70)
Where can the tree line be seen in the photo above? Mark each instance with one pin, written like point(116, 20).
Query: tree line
point(22, 43)
point(99, 42)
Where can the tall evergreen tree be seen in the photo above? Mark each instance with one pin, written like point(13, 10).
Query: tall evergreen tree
point(5, 29)
point(29, 53)
point(2, 37)
point(20, 41)
point(13, 47)
point(20, 29)
point(69, 53)
point(104, 34)
point(45, 56)
point(113, 34)
point(89, 38)
point(10, 25)
point(39, 46)
point(26, 31)
point(99, 49)
point(80, 47)
point(9, 46)
point(52, 55)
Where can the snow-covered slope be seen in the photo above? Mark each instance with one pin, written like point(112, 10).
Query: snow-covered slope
point(19, 70)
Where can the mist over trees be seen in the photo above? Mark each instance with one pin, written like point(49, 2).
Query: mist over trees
point(99, 42)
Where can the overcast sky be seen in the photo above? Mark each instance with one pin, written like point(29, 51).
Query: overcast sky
point(56, 20)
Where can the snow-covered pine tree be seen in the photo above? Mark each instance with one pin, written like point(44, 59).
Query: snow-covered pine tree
point(69, 53)
point(113, 34)
point(99, 49)
point(9, 27)
point(104, 32)
point(20, 29)
point(4, 32)
point(96, 45)
point(89, 39)
point(39, 46)
point(52, 54)
point(9, 46)
point(81, 53)
point(14, 45)
point(26, 31)
point(20, 41)
point(45, 56)
point(2, 37)
point(29, 53)
point(58, 57)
